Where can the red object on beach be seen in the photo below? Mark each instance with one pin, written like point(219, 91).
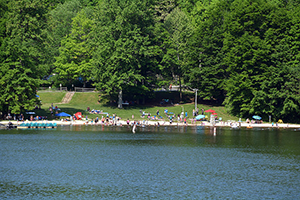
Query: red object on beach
point(214, 113)
point(210, 110)
point(78, 115)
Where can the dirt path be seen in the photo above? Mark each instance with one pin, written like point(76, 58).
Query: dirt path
point(67, 98)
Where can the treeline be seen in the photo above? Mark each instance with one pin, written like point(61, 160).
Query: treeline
point(242, 53)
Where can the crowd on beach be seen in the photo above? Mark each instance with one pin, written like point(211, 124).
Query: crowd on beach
point(145, 119)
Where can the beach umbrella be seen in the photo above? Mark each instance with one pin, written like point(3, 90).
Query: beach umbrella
point(256, 117)
point(62, 114)
point(214, 113)
point(198, 117)
point(210, 110)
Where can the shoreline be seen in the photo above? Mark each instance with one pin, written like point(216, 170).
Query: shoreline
point(161, 123)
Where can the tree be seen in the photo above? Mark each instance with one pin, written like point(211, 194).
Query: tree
point(20, 72)
point(208, 72)
point(180, 30)
point(3, 20)
point(261, 58)
point(59, 24)
point(125, 49)
point(163, 8)
point(76, 51)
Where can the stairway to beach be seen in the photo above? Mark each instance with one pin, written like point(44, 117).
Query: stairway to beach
point(68, 97)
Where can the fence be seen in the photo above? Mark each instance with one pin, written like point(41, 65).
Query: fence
point(50, 89)
point(174, 88)
point(76, 89)
point(81, 89)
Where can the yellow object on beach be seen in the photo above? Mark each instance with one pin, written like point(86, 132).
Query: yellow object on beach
point(280, 121)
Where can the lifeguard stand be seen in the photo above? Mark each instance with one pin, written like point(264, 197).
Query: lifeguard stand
point(212, 120)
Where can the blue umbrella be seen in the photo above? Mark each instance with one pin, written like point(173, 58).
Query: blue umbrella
point(256, 117)
point(62, 114)
point(200, 117)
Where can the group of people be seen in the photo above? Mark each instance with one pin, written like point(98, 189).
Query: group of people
point(36, 118)
point(53, 109)
point(254, 121)
point(196, 112)
point(19, 117)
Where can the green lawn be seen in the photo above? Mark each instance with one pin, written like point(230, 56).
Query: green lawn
point(81, 101)
point(51, 97)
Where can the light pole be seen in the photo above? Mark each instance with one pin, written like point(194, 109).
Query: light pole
point(196, 99)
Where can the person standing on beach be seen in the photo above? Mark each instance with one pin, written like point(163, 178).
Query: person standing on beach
point(202, 111)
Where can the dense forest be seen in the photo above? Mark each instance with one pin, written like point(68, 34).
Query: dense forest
point(243, 54)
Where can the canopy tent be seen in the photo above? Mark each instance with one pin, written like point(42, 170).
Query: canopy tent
point(62, 114)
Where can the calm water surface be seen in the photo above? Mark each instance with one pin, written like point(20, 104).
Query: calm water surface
point(94, 162)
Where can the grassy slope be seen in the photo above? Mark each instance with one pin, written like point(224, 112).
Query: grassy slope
point(81, 101)
point(51, 97)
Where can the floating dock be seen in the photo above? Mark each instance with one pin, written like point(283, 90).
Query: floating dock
point(36, 125)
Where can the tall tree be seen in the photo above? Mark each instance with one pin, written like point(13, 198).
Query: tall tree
point(124, 36)
point(208, 72)
point(20, 71)
point(76, 51)
point(3, 20)
point(260, 58)
point(180, 30)
point(59, 24)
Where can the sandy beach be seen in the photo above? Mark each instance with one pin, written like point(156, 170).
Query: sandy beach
point(163, 123)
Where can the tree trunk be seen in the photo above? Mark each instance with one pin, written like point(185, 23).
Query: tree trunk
point(120, 99)
point(180, 90)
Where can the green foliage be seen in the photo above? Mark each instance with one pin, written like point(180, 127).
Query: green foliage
point(242, 53)
point(59, 24)
point(258, 50)
point(174, 60)
point(208, 72)
point(163, 8)
point(125, 47)
point(76, 51)
point(20, 72)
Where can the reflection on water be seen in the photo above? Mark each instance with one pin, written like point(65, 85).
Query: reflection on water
point(92, 162)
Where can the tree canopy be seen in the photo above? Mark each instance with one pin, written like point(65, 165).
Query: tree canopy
point(243, 54)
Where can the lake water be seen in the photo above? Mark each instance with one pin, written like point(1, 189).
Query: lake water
point(94, 162)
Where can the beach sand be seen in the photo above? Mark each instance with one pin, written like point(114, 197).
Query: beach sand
point(165, 123)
